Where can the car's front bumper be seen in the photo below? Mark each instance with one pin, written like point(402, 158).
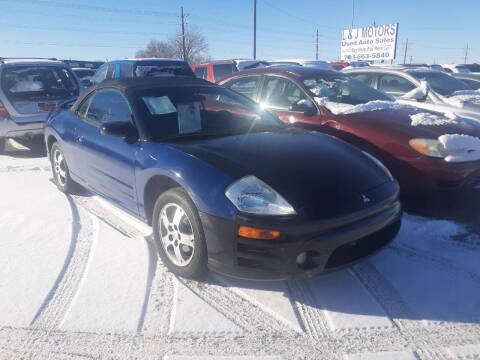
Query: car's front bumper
point(25, 129)
point(330, 244)
point(438, 175)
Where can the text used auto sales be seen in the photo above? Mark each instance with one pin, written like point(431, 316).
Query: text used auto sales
point(369, 43)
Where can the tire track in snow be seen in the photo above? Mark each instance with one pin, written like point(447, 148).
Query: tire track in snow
point(156, 309)
point(386, 296)
point(58, 301)
point(71, 344)
point(439, 262)
point(236, 308)
point(312, 318)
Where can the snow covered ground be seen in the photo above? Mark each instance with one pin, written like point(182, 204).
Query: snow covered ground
point(80, 279)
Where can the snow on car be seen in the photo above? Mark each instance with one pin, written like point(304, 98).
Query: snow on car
point(422, 88)
point(80, 279)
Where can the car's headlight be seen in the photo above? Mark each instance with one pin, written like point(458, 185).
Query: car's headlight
point(429, 147)
point(379, 164)
point(251, 195)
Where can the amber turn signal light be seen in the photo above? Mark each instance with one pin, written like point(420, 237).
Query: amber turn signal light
point(260, 234)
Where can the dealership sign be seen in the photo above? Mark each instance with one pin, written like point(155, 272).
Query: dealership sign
point(369, 43)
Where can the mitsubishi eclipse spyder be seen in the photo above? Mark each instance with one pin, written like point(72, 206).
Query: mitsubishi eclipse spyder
point(224, 183)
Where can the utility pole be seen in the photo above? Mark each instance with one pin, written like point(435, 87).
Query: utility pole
point(353, 12)
point(183, 37)
point(254, 29)
point(316, 48)
point(411, 58)
point(405, 53)
point(466, 54)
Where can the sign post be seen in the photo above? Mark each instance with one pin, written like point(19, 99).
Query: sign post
point(369, 43)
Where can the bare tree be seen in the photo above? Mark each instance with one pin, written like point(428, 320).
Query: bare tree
point(156, 49)
point(196, 46)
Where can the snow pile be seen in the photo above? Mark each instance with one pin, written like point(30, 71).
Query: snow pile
point(427, 119)
point(461, 147)
point(418, 93)
point(463, 97)
point(342, 108)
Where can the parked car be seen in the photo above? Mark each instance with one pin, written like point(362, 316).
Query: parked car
point(129, 68)
point(472, 79)
point(423, 88)
point(225, 184)
point(29, 90)
point(408, 140)
point(456, 68)
point(319, 64)
point(84, 64)
point(339, 65)
point(85, 76)
point(217, 70)
point(474, 68)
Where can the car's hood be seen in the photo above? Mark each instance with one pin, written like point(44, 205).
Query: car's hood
point(319, 175)
point(404, 123)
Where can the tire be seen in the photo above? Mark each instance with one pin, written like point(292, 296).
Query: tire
point(180, 239)
point(61, 175)
point(3, 142)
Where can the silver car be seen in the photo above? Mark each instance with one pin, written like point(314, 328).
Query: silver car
point(423, 88)
point(29, 90)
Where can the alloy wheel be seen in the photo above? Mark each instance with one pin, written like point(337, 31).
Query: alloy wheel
point(177, 235)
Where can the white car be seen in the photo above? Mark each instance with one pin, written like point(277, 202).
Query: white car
point(318, 64)
point(456, 68)
point(423, 88)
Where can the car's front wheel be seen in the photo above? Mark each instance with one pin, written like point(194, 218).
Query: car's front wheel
point(179, 235)
point(61, 175)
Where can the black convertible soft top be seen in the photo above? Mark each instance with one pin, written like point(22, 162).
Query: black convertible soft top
point(128, 85)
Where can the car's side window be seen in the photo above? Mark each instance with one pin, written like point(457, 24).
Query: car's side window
point(367, 78)
point(280, 93)
point(394, 85)
point(475, 85)
point(222, 70)
point(82, 110)
point(100, 74)
point(201, 72)
point(108, 106)
point(245, 85)
point(126, 70)
point(111, 71)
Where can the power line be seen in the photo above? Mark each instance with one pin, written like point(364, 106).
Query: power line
point(58, 4)
point(84, 30)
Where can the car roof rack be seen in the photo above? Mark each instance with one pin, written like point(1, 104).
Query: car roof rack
point(25, 58)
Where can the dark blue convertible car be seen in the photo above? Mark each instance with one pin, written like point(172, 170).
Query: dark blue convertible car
point(225, 184)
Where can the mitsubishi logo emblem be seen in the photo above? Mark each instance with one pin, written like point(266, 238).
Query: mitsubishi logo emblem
point(365, 199)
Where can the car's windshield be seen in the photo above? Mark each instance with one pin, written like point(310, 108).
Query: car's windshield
point(342, 88)
point(163, 68)
point(440, 82)
point(182, 112)
point(26, 82)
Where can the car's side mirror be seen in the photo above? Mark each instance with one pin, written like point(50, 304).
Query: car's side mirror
point(118, 129)
point(304, 106)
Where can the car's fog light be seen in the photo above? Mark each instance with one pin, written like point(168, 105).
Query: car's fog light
point(301, 258)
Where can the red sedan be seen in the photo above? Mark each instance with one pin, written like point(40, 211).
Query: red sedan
point(424, 151)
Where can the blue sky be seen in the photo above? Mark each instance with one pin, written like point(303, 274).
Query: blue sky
point(108, 29)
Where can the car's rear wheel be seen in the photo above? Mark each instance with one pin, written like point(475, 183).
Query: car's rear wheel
point(179, 235)
point(2, 145)
point(61, 175)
